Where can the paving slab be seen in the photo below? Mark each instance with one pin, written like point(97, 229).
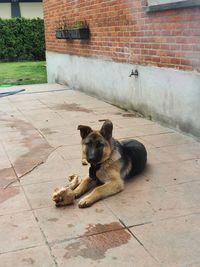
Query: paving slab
point(35, 193)
point(153, 222)
point(19, 231)
point(183, 151)
point(7, 172)
point(112, 248)
point(60, 224)
point(168, 139)
point(140, 131)
point(174, 242)
point(12, 199)
point(30, 257)
point(135, 206)
point(170, 173)
point(47, 172)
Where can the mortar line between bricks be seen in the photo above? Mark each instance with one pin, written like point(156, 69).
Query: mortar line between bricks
point(42, 232)
point(135, 237)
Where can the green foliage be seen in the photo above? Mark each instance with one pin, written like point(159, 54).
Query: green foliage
point(22, 39)
point(80, 25)
point(17, 73)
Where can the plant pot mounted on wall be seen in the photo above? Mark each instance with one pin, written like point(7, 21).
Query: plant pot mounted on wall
point(79, 33)
point(79, 30)
point(62, 34)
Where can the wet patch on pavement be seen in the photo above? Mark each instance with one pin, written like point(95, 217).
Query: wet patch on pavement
point(7, 175)
point(72, 107)
point(102, 228)
point(38, 148)
point(8, 193)
point(95, 246)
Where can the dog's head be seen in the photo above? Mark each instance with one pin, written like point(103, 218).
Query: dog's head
point(96, 145)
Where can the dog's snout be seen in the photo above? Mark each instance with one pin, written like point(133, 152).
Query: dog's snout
point(91, 156)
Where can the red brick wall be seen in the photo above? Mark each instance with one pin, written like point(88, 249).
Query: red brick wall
point(122, 31)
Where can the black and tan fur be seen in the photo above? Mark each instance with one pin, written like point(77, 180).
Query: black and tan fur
point(111, 162)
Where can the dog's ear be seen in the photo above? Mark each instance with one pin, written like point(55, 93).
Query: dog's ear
point(84, 130)
point(106, 130)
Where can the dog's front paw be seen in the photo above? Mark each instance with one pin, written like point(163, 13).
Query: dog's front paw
point(58, 194)
point(85, 202)
point(77, 193)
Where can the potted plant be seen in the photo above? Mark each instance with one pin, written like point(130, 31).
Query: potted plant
point(62, 32)
point(79, 30)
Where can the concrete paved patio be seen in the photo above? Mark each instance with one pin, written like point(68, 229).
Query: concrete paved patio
point(155, 221)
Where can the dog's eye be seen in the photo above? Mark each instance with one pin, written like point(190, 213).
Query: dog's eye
point(88, 143)
point(99, 144)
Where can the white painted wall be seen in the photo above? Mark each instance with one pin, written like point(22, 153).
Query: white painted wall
point(28, 10)
point(167, 95)
point(31, 10)
point(5, 10)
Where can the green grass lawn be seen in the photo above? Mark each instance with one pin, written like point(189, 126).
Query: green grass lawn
point(18, 73)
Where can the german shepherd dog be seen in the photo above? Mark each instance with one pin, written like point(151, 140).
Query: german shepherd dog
point(111, 162)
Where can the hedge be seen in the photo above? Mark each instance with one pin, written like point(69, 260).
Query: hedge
point(22, 39)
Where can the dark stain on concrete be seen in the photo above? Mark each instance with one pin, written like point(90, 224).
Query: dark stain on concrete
point(70, 225)
point(36, 156)
point(38, 148)
point(24, 237)
point(7, 175)
point(8, 193)
point(132, 114)
point(52, 219)
point(14, 225)
point(99, 210)
point(29, 260)
point(95, 246)
point(72, 107)
point(101, 228)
